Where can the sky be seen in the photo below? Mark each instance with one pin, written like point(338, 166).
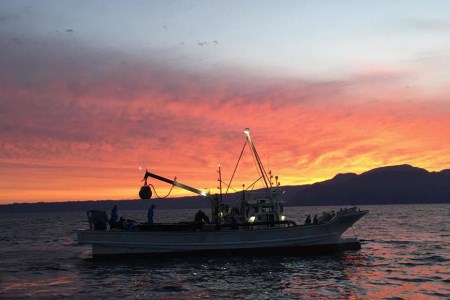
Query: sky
point(94, 92)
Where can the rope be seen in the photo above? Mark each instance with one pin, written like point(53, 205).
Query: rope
point(151, 185)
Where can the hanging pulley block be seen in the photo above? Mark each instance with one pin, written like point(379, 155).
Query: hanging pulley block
point(145, 192)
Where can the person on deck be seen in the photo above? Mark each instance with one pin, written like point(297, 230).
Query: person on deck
point(315, 221)
point(200, 217)
point(114, 216)
point(308, 220)
point(150, 214)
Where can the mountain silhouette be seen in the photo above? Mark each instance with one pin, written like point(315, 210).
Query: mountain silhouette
point(402, 184)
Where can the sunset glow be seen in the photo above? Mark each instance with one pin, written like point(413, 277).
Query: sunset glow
point(81, 119)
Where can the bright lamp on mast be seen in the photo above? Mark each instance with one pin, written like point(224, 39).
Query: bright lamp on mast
point(247, 132)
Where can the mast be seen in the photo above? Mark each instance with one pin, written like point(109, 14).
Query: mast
point(265, 177)
point(220, 185)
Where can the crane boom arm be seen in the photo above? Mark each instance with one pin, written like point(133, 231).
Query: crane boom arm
point(174, 182)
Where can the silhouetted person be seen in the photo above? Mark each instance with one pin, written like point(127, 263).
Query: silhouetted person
point(315, 220)
point(216, 221)
point(234, 224)
point(150, 214)
point(114, 216)
point(200, 217)
point(308, 220)
point(98, 219)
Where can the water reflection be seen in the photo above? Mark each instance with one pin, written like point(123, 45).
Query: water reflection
point(403, 255)
point(312, 277)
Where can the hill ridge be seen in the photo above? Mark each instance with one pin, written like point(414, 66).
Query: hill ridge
point(398, 184)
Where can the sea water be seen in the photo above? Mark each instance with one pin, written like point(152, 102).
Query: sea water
point(405, 255)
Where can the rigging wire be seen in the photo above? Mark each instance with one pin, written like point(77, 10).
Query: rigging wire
point(253, 184)
point(256, 167)
point(235, 168)
point(223, 182)
point(264, 174)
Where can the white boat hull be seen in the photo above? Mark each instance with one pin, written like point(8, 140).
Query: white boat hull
point(262, 240)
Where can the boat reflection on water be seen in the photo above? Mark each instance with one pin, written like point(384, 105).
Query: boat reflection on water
point(307, 277)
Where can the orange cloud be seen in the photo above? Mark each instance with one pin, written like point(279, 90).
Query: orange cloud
point(83, 133)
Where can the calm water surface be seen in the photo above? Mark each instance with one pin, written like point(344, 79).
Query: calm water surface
point(405, 255)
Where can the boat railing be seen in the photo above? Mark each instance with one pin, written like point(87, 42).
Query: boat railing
point(348, 210)
point(326, 217)
point(329, 216)
point(253, 225)
point(198, 226)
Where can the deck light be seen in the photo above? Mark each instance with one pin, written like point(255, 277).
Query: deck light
point(247, 131)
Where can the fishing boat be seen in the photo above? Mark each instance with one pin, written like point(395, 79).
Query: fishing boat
point(256, 225)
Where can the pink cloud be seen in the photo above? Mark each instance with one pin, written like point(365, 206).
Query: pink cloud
point(83, 122)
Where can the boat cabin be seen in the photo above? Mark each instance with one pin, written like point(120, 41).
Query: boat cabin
point(263, 209)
